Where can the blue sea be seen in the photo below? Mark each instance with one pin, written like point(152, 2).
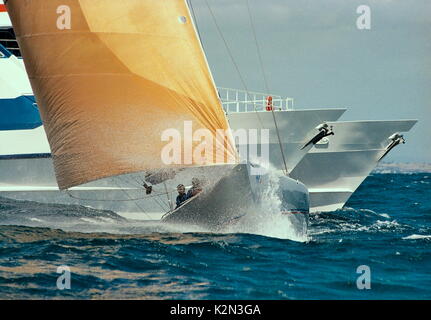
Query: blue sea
point(385, 228)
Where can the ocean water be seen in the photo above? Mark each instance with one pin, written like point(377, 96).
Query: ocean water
point(386, 226)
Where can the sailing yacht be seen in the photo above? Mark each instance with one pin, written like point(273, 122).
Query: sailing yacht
point(356, 147)
point(106, 107)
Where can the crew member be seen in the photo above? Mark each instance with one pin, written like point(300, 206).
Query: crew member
point(196, 188)
point(182, 196)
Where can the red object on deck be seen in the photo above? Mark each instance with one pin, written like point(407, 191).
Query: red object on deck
point(268, 103)
point(2, 8)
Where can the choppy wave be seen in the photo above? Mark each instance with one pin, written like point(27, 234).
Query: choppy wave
point(386, 226)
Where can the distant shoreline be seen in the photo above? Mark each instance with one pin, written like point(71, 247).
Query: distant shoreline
point(406, 167)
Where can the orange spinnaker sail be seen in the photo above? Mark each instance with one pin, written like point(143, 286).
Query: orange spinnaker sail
point(109, 86)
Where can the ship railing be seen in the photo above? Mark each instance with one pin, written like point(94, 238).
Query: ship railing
point(8, 40)
point(236, 100)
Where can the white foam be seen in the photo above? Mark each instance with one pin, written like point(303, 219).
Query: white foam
point(417, 236)
point(144, 216)
point(89, 220)
point(267, 219)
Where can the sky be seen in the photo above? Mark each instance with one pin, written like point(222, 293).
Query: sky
point(313, 52)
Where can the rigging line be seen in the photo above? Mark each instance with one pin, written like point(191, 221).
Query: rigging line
point(169, 197)
point(233, 60)
point(128, 179)
point(135, 202)
point(159, 201)
point(158, 194)
point(266, 84)
point(279, 141)
point(69, 192)
point(138, 181)
point(266, 81)
point(257, 47)
point(125, 181)
point(196, 22)
point(156, 198)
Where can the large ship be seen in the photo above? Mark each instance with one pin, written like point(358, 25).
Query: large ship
point(332, 169)
point(332, 165)
point(337, 165)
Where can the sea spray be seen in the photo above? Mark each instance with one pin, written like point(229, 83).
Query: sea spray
point(267, 218)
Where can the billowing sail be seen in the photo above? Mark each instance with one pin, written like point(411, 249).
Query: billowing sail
point(110, 77)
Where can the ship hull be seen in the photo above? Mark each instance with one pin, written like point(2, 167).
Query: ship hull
point(231, 194)
point(336, 167)
point(32, 178)
point(295, 127)
point(239, 195)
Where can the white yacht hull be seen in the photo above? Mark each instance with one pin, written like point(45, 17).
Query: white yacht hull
point(231, 194)
point(336, 167)
point(33, 179)
point(237, 195)
point(295, 127)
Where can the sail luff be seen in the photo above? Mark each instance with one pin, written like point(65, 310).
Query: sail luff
point(231, 142)
point(202, 50)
